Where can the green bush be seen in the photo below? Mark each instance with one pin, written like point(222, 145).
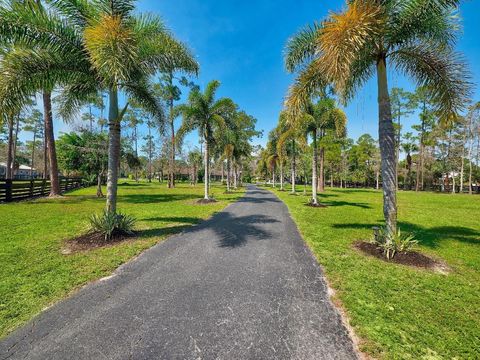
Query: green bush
point(393, 243)
point(112, 224)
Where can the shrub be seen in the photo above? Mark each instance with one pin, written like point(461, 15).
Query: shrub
point(112, 224)
point(393, 243)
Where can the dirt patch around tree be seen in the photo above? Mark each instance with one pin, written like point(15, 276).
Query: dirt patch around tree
point(206, 201)
point(319, 205)
point(92, 241)
point(409, 258)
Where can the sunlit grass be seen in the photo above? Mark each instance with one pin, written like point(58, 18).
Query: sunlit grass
point(33, 271)
point(401, 312)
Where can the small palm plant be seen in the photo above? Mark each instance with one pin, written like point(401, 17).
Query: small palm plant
point(111, 224)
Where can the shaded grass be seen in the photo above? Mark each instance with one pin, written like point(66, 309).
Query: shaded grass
point(34, 273)
point(401, 312)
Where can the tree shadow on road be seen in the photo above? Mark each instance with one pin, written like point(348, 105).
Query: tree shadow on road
point(236, 231)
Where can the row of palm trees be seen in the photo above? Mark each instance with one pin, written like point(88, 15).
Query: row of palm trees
point(78, 49)
point(292, 132)
point(224, 129)
point(415, 38)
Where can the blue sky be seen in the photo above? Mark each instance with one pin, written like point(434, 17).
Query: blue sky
point(241, 44)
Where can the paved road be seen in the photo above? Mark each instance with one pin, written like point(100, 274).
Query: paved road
point(241, 285)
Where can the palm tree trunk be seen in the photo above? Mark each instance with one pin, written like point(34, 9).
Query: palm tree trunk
point(113, 150)
point(321, 175)
point(150, 155)
point(15, 143)
point(281, 175)
point(33, 149)
point(293, 166)
point(387, 150)
point(45, 157)
point(235, 175)
point(470, 160)
point(171, 165)
point(9, 169)
point(228, 174)
point(99, 185)
point(273, 175)
point(314, 170)
point(50, 140)
point(207, 169)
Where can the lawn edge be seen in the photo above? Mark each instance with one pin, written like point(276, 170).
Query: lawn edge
point(336, 302)
point(114, 272)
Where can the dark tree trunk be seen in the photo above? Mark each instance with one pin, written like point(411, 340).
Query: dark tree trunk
point(50, 140)
point(33, 149)
point(9, 169)
point(387, 149)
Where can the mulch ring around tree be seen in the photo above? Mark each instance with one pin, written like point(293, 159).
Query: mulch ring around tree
point(318, 205)
point(206, 201)
point(409, 258)
point(92, 241)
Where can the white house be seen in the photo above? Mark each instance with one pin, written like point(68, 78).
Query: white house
point(24, 172)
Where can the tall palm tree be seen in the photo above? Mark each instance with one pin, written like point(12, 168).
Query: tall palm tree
point(349, 47)
point(203, 113)
point(82, 47)
point(314, 121)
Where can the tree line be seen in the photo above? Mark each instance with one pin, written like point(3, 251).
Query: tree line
point(84, 54)
point(431, 155)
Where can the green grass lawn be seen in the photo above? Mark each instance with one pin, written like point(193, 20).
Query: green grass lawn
point(33, 271)
point(401, 312)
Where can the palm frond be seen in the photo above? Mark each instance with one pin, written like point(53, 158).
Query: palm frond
point(439, 69)
point(301, 47)
point(346, 36)
point(210, 91)
point(141, 91)
point(311, 80)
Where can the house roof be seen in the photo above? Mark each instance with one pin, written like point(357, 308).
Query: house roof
point(21, 167)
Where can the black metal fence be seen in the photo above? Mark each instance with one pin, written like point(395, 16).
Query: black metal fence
point(16, 190)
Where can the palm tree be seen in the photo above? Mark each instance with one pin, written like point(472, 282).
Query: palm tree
point(291, 142)
point(195, 160)
point(84, 47)
point(203, 113)
point(314, 121)
point(349, 47)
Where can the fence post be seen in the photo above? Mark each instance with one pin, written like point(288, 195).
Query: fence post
point(31, 187)
point(8, 190)
point(44, 183)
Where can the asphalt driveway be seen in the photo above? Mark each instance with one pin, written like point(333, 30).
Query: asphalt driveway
point(241, 285)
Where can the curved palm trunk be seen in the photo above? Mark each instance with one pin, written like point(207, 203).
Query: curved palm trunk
point(387, 150)
point(50, 141)
point(314, 170)
point(207, 171)
point(113, 151)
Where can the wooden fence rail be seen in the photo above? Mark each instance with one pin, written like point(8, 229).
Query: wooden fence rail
point(16, 190)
